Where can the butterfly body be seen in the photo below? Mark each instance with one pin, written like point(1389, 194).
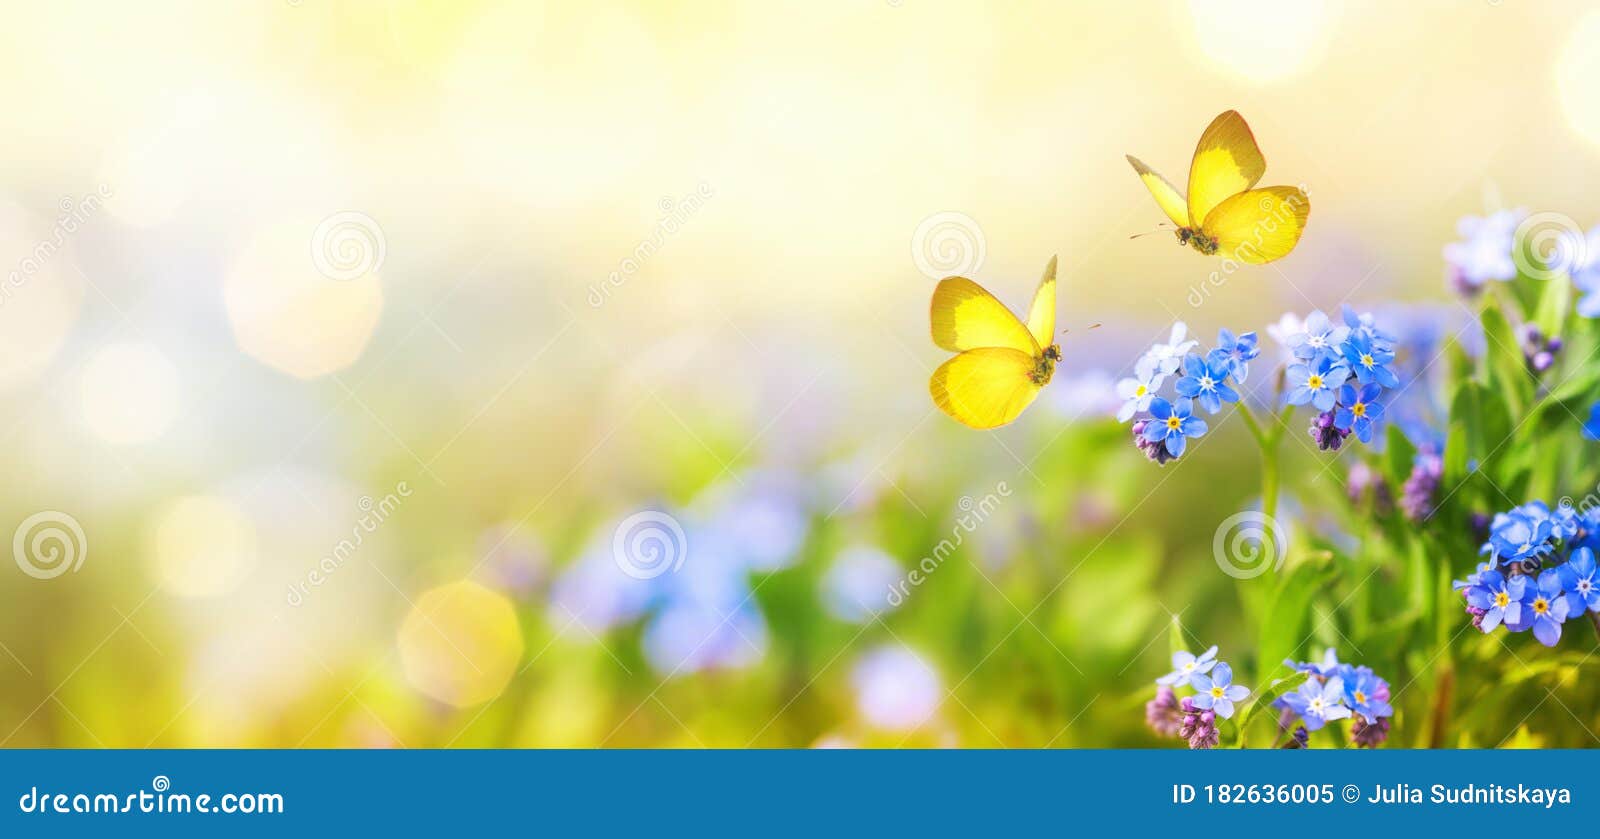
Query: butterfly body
point(1188, 237)
point(1046, 365)
point(1002, 363)
point(1224, 212)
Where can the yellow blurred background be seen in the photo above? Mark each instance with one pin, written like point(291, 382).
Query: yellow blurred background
point(497, 274)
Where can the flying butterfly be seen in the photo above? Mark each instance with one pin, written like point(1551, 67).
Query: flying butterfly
point(1003, 363)
point(1224, 212)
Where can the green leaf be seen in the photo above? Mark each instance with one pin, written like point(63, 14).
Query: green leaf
point(1570, 398)
point(1480, 422)
point(1555, 301)
point(1507, 371)
point(1266, 696)
point(1283, 627)
point(1400, 457)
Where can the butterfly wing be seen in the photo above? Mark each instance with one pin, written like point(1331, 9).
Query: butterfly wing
point(1259, 225)
point(1226, 163)
point(966, 317)
point(1167, 196)
point(985, 387)
point(1042, 314)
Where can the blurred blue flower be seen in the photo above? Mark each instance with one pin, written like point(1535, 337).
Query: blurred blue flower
point(895, 688)
point(1206, 381)
point(1084, 395)
point(690, 637)
point(1237, 352)
point(1319, 338)
point(1369, 361)
point(1579, 580)
point(1547, 607)
point(1283, 333)
point(1586, 273)
point(1317, 382)
point(1216, 692)
point(1318, 703)
point(1484, 252)
point(1499, 598)
point(1185, 666)
point(1357, 410)
point(1366, 694)
point(594, 593)
point(1591, 427)
point(762, 517)
point(856, 587)
point(1173, 423)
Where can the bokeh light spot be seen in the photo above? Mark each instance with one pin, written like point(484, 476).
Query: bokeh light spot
point(460, 643)
point(202, 546)
point(287, 314)
point(1578, 78)
point(1261, 40)
point(128, 394)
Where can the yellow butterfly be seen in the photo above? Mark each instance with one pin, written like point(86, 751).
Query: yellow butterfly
point(1224, 212)
point(1002, 364)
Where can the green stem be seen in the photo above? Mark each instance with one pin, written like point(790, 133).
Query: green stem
point(1267, 440)
point(1269, 481)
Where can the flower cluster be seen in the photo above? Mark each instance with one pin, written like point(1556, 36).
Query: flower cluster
point(1334, 691)
point(1162, 428)
point(1541, 571)
point(1194, 718)
point(1340, 371)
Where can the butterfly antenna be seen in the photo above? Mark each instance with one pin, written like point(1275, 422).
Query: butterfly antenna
point(1091, 326)
point(1159, 229)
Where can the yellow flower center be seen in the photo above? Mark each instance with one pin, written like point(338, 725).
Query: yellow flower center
point(1174, 423)
point(1216, 692)
point(1141, 391)
point(1366, 361)
point(1540, 606)
point(1359, 409)
point(1501, 599)
point(1361, 698)
point(1315, 382)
